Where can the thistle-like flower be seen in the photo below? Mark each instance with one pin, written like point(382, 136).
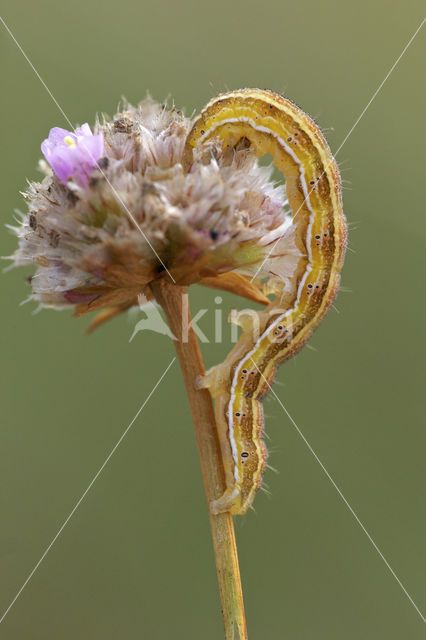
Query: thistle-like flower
point(118, 210)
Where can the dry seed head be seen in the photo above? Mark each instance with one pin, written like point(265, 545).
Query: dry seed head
point(116, 210)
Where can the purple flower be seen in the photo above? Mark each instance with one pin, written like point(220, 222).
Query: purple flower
point(73, 154)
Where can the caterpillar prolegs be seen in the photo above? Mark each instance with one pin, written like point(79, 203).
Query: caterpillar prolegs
point(272, 124)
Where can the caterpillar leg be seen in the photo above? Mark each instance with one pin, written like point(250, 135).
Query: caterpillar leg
point(216, 379)
point(213, 380)
point(229, 501)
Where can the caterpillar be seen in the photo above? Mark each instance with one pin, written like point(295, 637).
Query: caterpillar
point(275, 125)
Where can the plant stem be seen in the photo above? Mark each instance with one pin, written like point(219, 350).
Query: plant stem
point(170, 297)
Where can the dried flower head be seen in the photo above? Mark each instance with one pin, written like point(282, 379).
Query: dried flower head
point(117, 210)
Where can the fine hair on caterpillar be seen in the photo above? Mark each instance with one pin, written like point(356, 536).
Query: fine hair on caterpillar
point(268, 123)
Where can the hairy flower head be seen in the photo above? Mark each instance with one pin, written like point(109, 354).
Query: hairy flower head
point(117, 210)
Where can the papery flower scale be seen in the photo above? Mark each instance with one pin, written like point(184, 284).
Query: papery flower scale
point(121, 211)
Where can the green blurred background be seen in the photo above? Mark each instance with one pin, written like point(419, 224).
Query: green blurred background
point(136, 560)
